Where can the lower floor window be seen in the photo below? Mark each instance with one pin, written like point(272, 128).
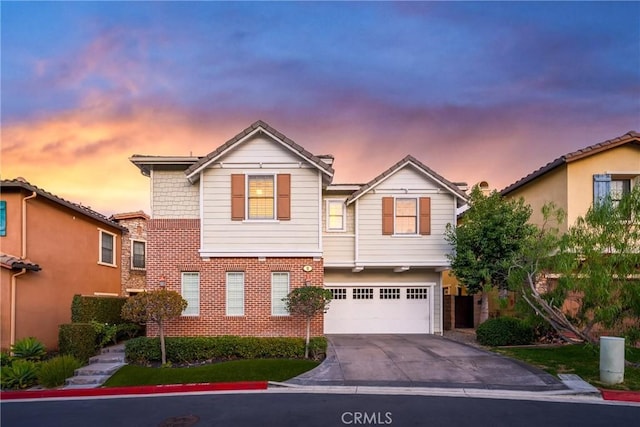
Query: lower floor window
point(279, 290)
point(191, 293)
point(235, 294)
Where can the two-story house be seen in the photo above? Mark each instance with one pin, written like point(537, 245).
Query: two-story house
point(52, 249)
point(574, 181)
point(236, 230)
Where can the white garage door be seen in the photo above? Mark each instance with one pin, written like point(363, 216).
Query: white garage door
point(379, 309)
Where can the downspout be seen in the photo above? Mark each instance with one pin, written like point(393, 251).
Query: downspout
point(14, 278)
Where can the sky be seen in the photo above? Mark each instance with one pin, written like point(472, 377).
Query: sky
point(476, 91)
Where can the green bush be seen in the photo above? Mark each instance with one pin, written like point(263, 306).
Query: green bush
point(504, 331)
point(85, 309)
point(54, 372)
point(78, 340)
point(28, 348)
point(5, 359)
point(145, 350)
point(20, 374)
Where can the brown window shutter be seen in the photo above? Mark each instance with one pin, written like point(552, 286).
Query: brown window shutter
point(425, 215)
point(284, 197)
point(387, 215)
point(237, 197)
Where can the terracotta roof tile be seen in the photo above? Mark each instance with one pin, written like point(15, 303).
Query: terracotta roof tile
point(15, 263)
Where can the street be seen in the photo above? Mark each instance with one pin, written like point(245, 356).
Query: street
point(288, 409)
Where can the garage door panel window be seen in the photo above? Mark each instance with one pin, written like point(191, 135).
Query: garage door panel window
point(339, 293)
point(390, 293)
point(363, 293)
point(417, 293)
point(279, 290)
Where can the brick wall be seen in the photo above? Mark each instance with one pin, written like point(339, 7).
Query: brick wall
point(132, 278)
point(172, 248)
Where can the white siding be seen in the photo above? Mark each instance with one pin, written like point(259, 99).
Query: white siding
point(173, 196)
point(300, 235)
point(339, 247)
point(404, 250)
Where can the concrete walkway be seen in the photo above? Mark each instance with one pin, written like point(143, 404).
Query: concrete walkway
point(421, 361)
point(99, 369)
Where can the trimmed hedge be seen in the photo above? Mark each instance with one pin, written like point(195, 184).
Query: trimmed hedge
point(101, 309)
point(504, 331)
point(78, 340)
point(144, 350)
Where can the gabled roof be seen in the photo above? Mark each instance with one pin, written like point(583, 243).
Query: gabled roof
point(22, 184)
point(408, 160)
point(15, 263)
point(631, 137)
point(257, 127)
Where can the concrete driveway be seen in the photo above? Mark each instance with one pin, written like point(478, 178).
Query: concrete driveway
point(421, 361)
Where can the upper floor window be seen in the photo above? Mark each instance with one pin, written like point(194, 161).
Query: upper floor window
point(107, 248)
point(260, 198)
point(335, 215)
point(190, 288)
point(3, 218)
point(406, 216)
point(138, 254)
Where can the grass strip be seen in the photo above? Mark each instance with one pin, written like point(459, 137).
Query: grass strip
point(232, 371)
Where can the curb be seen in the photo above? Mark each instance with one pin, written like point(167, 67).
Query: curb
point(133, 390)
point(623, 395)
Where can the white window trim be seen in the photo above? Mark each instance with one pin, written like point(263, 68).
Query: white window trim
point(226, 290)
point(145, 254)
point(274, 176)
point(182, 274)
point(115, 248)
point(395, 217)
point(328, 203)
point(273, 297)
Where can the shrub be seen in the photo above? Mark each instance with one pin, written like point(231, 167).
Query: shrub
point(5, 359)
point(54, 372)
point(28, 348)
point(504, 331)
point(20, 374)
point(105, 333)
point(78, 340)
point(145, 350)
point(85, 309)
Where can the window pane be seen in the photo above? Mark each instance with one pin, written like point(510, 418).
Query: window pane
point(191, 292)
point(406, 216)
point(406, 207)
point(405, 225)
point(261, 197)
point(235, 294)
point(106, 243)
point(336, 216)
point(279, 290)
point(3, 218)
point(138, 255)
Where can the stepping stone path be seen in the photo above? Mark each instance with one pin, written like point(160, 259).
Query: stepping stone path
point(99, 369)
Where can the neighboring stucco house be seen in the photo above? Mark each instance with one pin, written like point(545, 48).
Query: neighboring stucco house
point(51, 250)
point(134, 251)
point(575, 180)
point(235, 231)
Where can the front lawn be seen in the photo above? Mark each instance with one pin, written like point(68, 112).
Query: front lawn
point(235, 370)
point(581, 360)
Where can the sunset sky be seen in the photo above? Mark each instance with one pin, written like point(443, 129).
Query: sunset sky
point(476, 91)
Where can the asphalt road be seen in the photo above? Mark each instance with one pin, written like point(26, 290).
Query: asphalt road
point(310, 410)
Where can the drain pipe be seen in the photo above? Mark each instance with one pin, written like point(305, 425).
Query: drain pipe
point(14, 278)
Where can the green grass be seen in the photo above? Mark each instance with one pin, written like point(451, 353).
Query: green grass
point(581, 360)
point(236, 370)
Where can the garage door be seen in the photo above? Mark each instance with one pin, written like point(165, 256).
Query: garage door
point(379, 309)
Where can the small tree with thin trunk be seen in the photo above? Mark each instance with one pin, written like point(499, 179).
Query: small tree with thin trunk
point(308, 301)
point(155, 307)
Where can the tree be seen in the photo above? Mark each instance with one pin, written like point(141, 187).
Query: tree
point(308, 301)
point(597, 262)
point(488, 238)
point(156, 307)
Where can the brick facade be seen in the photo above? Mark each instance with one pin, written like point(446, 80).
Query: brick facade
point(172, 248)
point(136, 224)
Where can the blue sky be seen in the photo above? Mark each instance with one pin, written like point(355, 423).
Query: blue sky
point(477, 91)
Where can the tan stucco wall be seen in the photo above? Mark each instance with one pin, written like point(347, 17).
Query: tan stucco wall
point(624, 159)
point(66, 245)
point(551, 187)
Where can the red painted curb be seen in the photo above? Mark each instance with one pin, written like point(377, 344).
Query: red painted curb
point(150, 389)
point(627, 396)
